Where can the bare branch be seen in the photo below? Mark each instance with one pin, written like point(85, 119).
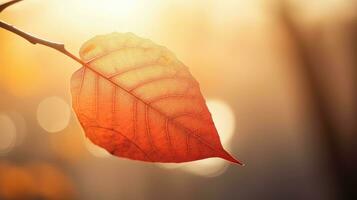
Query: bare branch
point(35, 40)
point(7, 4)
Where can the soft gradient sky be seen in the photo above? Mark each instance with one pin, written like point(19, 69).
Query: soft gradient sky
point(238, 50)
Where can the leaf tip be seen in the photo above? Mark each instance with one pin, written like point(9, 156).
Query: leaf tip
point(230, 158)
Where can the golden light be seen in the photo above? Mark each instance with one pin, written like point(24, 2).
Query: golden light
point(53, 114)
point(122, 8)
point(223, 117)
point(14, 72)
point(7, 133)
point(99, 16)
point(235, 11)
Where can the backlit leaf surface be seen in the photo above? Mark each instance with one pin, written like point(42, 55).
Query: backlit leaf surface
point(136, 100)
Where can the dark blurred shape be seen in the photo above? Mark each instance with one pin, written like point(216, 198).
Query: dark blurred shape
point(316, 68)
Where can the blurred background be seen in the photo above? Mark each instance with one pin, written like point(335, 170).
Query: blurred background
point(279, 76)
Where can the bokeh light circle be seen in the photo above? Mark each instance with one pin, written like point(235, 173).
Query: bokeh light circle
point(210, 167)
point(7, 133)
point(223, 118)
point(95, 150)
point(53, 114)
point(21, 126)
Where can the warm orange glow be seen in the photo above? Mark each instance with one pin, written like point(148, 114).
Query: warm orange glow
point(40, 180)
point(253, 60)
point(69, 145)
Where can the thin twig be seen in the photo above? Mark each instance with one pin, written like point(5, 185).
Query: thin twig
point(35, 40)
point(7, 4)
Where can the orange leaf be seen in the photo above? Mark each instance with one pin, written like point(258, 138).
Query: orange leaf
point(136, 100)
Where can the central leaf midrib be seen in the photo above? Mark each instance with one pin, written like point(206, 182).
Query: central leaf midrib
point(147, 104)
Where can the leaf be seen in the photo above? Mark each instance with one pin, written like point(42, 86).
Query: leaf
point(136, 100)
